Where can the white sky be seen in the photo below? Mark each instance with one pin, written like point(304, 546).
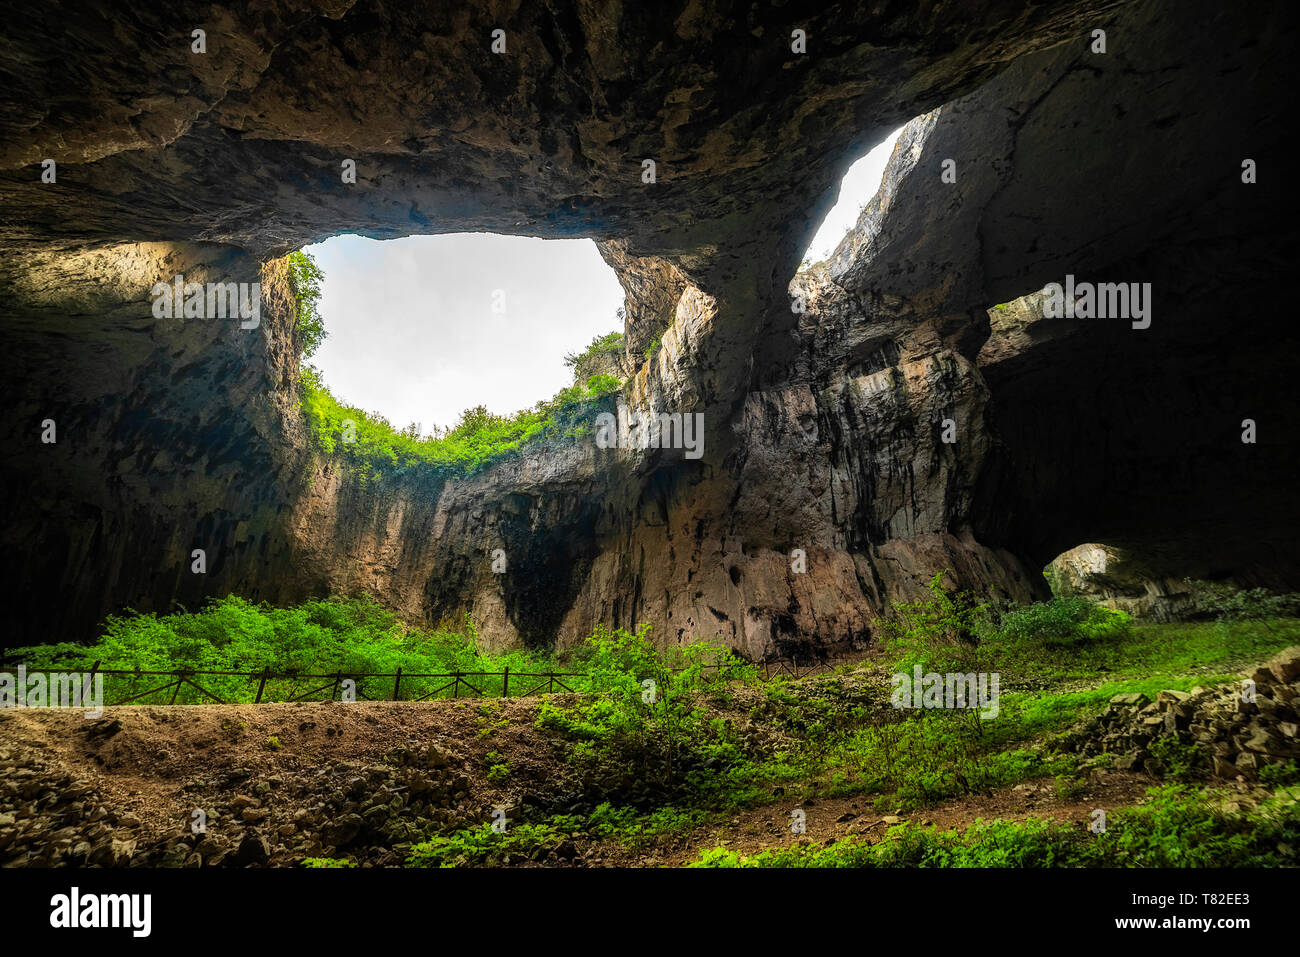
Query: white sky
point(856, 189)
point(412, 334)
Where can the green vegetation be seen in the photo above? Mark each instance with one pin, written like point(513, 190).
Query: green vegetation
point(609, 344)
point(656, 744)
point(939, 631)
point(1225, 603)
point(685, 760)
point(351, 636)
point(1072, 640)
point(1283, 774)
point(1059, 662)
point(305, 277)
point(485, 846)
point(950, 630)
point(1180, 760)
point(644, 725)
point(1177, 827)
point(369, 443)
point(1062, 622)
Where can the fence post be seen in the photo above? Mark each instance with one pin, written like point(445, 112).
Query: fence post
point(338, 676)
point(767, 672)
point(455, 690)
point(505, 683)
point(261, 685)
point(89, 683)
point(177, 690)
point(397, 685)
point(796, 666)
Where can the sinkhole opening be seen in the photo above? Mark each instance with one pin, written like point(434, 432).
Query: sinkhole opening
point(858, 187)
point(428, 340)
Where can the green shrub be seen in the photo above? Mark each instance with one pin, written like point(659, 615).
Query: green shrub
point(610, 344)
point(1180, 761)
point(348, 635)
point(1063, 622)
point(1225, 602)
point(1069, 787)
point(480, 846)
point(1282, 774)
point(643, 724)
point(939, 632)
point(633, 828)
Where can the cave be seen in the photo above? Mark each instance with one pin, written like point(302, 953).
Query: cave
point(906, 407)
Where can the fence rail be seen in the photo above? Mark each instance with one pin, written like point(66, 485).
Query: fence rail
point(773, 669)
point(476, 684)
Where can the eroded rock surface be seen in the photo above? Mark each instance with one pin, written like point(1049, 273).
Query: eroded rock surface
point(825, 428)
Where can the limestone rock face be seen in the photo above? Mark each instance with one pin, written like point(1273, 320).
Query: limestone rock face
point(1105, 575)
point(867, 423)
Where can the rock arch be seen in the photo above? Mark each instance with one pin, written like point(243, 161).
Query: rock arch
point(821, 425)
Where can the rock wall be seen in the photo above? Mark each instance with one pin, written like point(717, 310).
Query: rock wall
point(828, 486)
point(1105, 575)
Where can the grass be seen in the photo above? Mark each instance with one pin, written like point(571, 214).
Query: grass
point(1176, 827)
point(485, 846)
point(658, 743)
point(839, 737)
point(1212, 650)
point(919, 758)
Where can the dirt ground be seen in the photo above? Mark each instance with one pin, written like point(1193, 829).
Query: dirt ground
point(138, 773)
point(828, 820)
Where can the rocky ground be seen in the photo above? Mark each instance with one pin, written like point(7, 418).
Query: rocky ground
point(364, 781)
point(1237, 732)
point(276, 784)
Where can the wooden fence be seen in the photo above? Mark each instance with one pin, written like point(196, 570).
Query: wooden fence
point(792, 667)
point(475, 684)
